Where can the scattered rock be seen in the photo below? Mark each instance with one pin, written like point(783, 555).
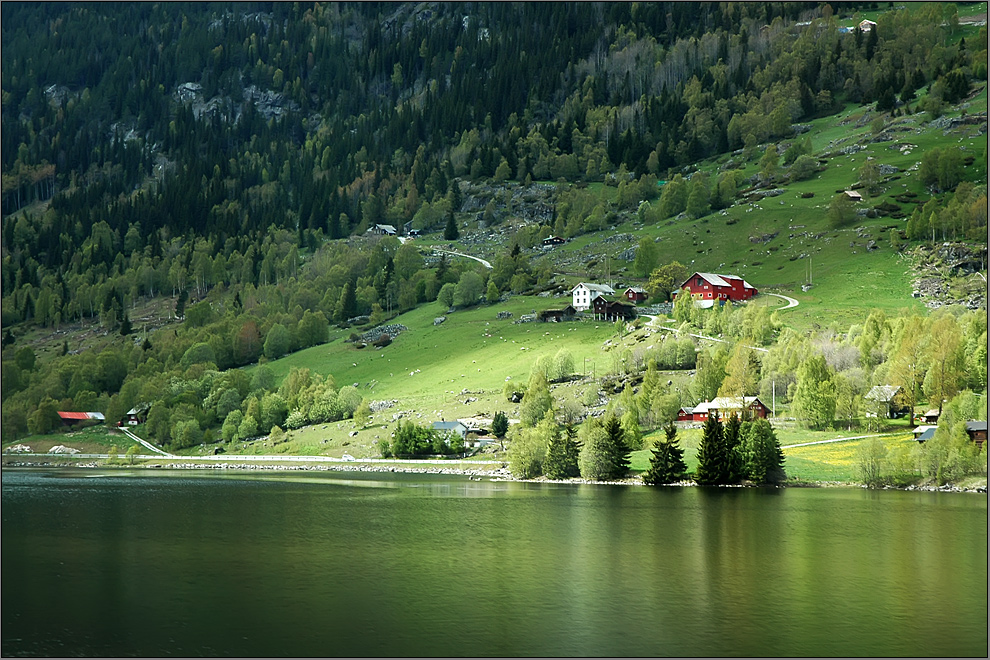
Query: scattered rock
point(392, 330)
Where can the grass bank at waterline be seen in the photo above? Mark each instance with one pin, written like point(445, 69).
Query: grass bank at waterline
point(830, 460)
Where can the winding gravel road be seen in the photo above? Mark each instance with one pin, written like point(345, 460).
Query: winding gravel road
point(790, 301)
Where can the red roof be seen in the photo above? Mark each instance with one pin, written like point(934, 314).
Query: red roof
point(80, 415)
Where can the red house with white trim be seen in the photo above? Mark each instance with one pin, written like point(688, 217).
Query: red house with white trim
point(636, 294)
point(723, 407)
point(709, 288)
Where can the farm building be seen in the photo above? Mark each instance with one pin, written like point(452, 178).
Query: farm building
point(136, 415)
point(887, 401)
point(611, 310)
point(931, 417)
point(866, 25)
point(550, 241)
point(709, 288)
point(853, 195)
point(80, 418)
point(556, 315)
point(451, 427)
point(385, 230)
point(723, 407)
point(977, 432)
point(636, 294)
point(583, 294)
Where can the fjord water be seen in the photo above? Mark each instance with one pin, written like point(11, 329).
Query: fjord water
point(119, 563)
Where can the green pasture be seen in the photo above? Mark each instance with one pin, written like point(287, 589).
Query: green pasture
point(471, 350)
point(92, 440)
point(833, 461)
point(848, 280)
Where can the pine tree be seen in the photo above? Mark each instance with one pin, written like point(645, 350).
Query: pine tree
point(605, 454)
point(667, 463)
point(180, 304)
point(125, 325)
point(711, 454)
point(450, 231)
point(763, 458)
point(562, 456)
point(731, 438)
point(500, 424)
point(618, 446)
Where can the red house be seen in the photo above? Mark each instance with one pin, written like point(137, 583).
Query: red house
point(709, 288)
point(636, 294)
point(723, 407)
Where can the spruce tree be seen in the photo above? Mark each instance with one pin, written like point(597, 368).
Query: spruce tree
point(763, 458)
point(711, 454)
point(731, 438)
point(618, 446)
point(450, 232)
point(667, 463)
point(562, 456)
point(605, 454)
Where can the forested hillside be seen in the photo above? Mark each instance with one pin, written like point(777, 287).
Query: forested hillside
point(227, 160)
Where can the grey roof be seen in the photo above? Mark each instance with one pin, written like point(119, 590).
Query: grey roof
point(726, 403)
point(448, 426)
point(976, 426)
point(882, 392)
point(927, 435)
point(595, 288)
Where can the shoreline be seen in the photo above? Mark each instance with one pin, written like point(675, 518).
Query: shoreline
point(500, 474)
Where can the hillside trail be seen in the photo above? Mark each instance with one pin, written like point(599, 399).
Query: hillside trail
point(653, 323)
point(467, 256)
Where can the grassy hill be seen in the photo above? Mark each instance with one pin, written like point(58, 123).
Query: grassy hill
point(781, 244)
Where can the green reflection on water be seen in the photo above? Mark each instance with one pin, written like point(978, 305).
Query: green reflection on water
point(333, 564)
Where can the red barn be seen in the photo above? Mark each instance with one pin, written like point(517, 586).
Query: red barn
point(78, 418)
point(709, 288)
point(635, 294)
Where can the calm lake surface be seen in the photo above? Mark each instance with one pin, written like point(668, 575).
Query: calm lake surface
point(128, 562)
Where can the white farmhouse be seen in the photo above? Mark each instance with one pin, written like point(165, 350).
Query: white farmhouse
point(584, 293)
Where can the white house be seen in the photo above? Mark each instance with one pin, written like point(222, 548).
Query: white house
point(451, 427)
point(585, 293)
